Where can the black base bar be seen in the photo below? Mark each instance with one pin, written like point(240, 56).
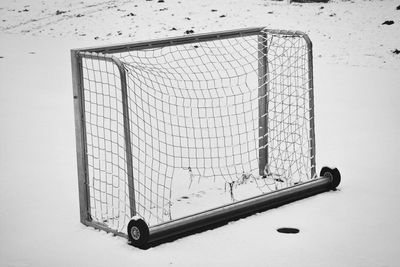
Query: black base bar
point(215, 217)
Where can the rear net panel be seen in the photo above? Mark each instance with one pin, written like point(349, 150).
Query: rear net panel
point(194, 120)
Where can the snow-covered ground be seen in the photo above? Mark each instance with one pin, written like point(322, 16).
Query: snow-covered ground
point(357, 126)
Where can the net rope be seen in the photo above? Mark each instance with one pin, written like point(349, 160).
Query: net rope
point(195, 107)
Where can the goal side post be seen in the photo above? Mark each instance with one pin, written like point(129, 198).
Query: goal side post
point(80, 133)
point(79, 106)
point(311, 103)
point(263, 102)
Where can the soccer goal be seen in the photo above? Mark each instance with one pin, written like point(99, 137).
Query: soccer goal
point(178, 134)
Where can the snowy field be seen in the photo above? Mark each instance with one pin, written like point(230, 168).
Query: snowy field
point(357, 87)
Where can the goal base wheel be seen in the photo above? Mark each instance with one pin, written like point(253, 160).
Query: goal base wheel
point(138, 232)
point(333, 174)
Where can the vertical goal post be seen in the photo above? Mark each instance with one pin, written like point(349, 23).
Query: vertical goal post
point(232, 111)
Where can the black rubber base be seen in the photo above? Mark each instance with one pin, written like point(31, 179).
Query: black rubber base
point(189, 232)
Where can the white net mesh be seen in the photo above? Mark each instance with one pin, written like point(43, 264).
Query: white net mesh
point(210, 122)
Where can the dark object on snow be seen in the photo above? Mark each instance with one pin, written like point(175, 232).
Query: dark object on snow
point(160, 1)
point(59, 12)
point(286, 230)
point(173, 29)
point(189, 31)
point(388, 22)
point(222, 16)
point(398, 8)
point(396, 51)
point(214, 10)
point(131, 15)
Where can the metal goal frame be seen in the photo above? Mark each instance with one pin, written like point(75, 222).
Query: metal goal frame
point(318, 184)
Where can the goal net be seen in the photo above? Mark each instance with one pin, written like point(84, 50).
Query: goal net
point(178, 126)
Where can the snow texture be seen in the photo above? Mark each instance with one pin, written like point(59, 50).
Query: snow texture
point(357, 129)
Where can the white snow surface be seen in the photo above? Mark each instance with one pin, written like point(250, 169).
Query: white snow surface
point(357, 88)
